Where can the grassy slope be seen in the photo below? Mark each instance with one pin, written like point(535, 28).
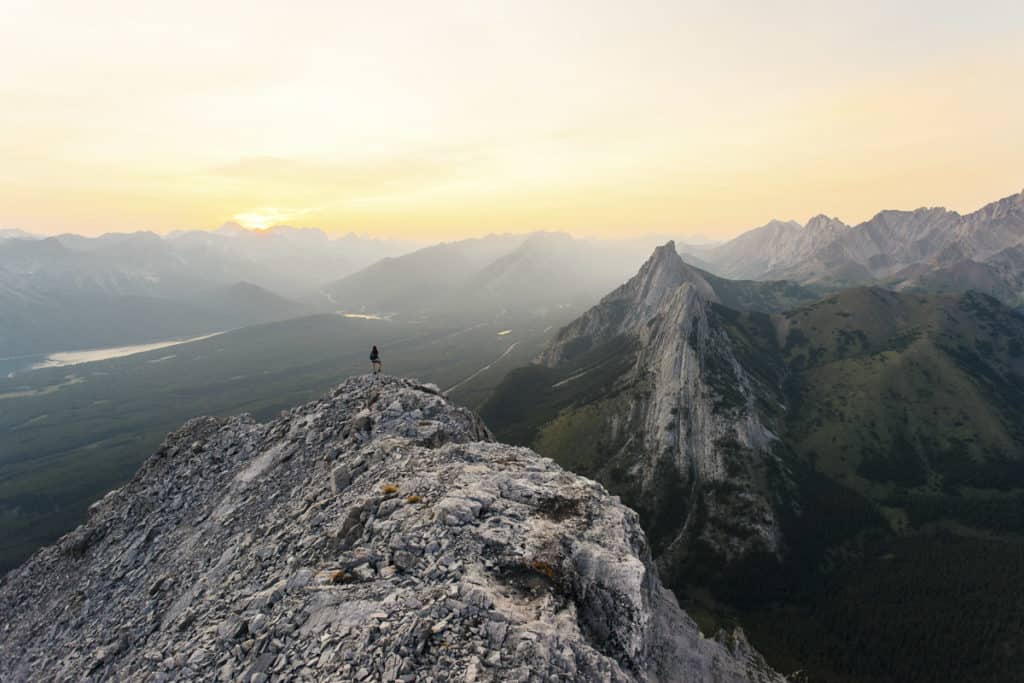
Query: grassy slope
point(904, 417)
point(894, 392)
point(528, 398)
point(914, 402)
point(752, 295)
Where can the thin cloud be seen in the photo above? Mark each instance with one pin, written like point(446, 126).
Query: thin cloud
point(372, 175)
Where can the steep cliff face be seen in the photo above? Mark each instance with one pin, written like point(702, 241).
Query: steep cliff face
point(375, 534)
point(700, 420)
point(675, 417)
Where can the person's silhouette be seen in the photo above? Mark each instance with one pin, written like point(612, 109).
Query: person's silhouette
point(375, 360)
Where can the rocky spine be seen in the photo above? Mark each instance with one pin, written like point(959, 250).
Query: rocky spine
point(375, 534)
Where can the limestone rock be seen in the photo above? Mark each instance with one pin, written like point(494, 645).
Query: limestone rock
point(443, 559)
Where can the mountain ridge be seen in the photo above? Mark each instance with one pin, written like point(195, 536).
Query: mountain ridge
point(376, 532)
point(932, 239)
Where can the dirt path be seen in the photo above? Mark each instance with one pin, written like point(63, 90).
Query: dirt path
point(484, 368)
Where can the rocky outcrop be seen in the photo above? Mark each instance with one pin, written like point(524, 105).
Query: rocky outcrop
point(375, 534)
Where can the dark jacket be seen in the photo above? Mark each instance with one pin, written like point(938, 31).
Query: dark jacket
point(374, 355)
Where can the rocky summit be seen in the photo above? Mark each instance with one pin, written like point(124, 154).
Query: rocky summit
point(376, 534)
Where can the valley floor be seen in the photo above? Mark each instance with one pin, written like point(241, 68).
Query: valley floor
point(71, 434)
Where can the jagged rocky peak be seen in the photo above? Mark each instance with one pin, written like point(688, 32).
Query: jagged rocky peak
point(376, 534)
point(823, 223)
point(663, 272)
point(776, 226)
point(1015, 202)
point(681, 428)
point(630, 305)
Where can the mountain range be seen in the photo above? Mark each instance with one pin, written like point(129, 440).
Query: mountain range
point(774, 454)
point(287, 260)
point(72, 292)
point(927, 248)
point(15, 234)
point(534, 272)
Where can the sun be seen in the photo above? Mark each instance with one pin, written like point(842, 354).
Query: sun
point(266, 217)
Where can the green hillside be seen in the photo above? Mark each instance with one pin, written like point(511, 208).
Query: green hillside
point(901, 422)
point(892, 392)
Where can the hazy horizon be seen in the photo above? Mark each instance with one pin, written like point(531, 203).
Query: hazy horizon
point(344, 233)
point(425, 240)
point(463, 119)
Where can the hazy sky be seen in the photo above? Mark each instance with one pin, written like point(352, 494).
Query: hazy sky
point(445, 119)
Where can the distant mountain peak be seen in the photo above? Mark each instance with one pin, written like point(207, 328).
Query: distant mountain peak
point(775, 225)
point(920, 212)
point(16, 234)
point(664, 257)
point(821, 221)
point(828, 252)
point(663, 271)
point(1001, 208)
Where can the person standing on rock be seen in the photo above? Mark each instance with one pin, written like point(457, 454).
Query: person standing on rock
point(375, 360)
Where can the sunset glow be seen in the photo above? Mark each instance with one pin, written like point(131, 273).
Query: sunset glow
point(261, 219)
point(443, 120)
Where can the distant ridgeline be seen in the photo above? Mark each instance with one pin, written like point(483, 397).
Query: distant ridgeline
point(844, 477)
point(928, 249)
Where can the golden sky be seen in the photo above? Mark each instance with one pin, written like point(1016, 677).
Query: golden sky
point(438, 120)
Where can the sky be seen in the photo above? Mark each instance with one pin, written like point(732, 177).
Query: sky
point(441, 120)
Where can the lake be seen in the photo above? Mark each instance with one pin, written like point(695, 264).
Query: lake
point(18, 364)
